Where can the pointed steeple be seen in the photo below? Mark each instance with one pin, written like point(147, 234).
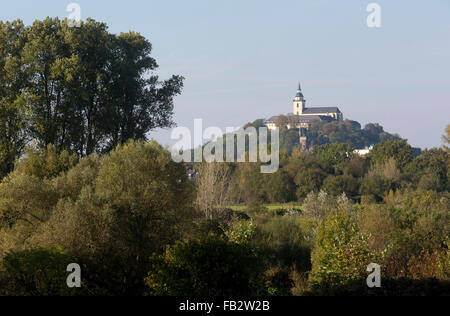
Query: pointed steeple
point(299, 91)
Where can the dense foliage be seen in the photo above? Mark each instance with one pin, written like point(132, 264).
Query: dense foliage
point(80, 89)
point(348, 132)
point(134, 212)
point(111, 213)
point(207, 267)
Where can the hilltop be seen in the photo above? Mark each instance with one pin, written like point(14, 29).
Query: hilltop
point(321, 132)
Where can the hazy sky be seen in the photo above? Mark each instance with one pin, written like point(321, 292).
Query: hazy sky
point(242, 59)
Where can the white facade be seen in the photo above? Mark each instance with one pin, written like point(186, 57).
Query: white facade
point(299, 102)
point(299, 108)
point(301, 116)
point(363, 152)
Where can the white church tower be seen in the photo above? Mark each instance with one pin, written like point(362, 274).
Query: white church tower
point(299, 102)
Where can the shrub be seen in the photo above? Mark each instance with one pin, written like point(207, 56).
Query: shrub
point(319, 205)
point(47, 163)
point(24, 197)
point(336, 185)
point(36, 272)
point(398, 149)
point(341, 253)
point(207, 267)
point(381, 178)
point(125, 206)
point(241, 231)
point(282, 241)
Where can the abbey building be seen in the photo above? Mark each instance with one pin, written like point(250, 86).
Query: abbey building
point(302, 116)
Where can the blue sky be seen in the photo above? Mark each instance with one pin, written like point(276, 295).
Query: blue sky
point(243, 59)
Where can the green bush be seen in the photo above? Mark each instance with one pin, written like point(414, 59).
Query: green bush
point(281, 240)
point(341, 253)
point(207, 267)
point(240, 231)
point(47, 163)
point(36, 272)
point(400, 150)
point(123, 206)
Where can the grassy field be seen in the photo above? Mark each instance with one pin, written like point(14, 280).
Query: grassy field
point(270, 207)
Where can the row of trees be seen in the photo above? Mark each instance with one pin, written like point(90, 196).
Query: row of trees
point(82, 89)
point(336, 169)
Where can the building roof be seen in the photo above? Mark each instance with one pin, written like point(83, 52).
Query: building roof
point(320, 110)
point(273, 119)
point(299, 92)
point(301, 118)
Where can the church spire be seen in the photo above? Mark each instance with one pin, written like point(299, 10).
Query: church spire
point(299, 92)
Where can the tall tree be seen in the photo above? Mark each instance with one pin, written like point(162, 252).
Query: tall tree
point(400, 150)
point(81, 88)
point(90, 82)
point(12, 122)
point(141, 102)
point(46, 60)
point(213, 190)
